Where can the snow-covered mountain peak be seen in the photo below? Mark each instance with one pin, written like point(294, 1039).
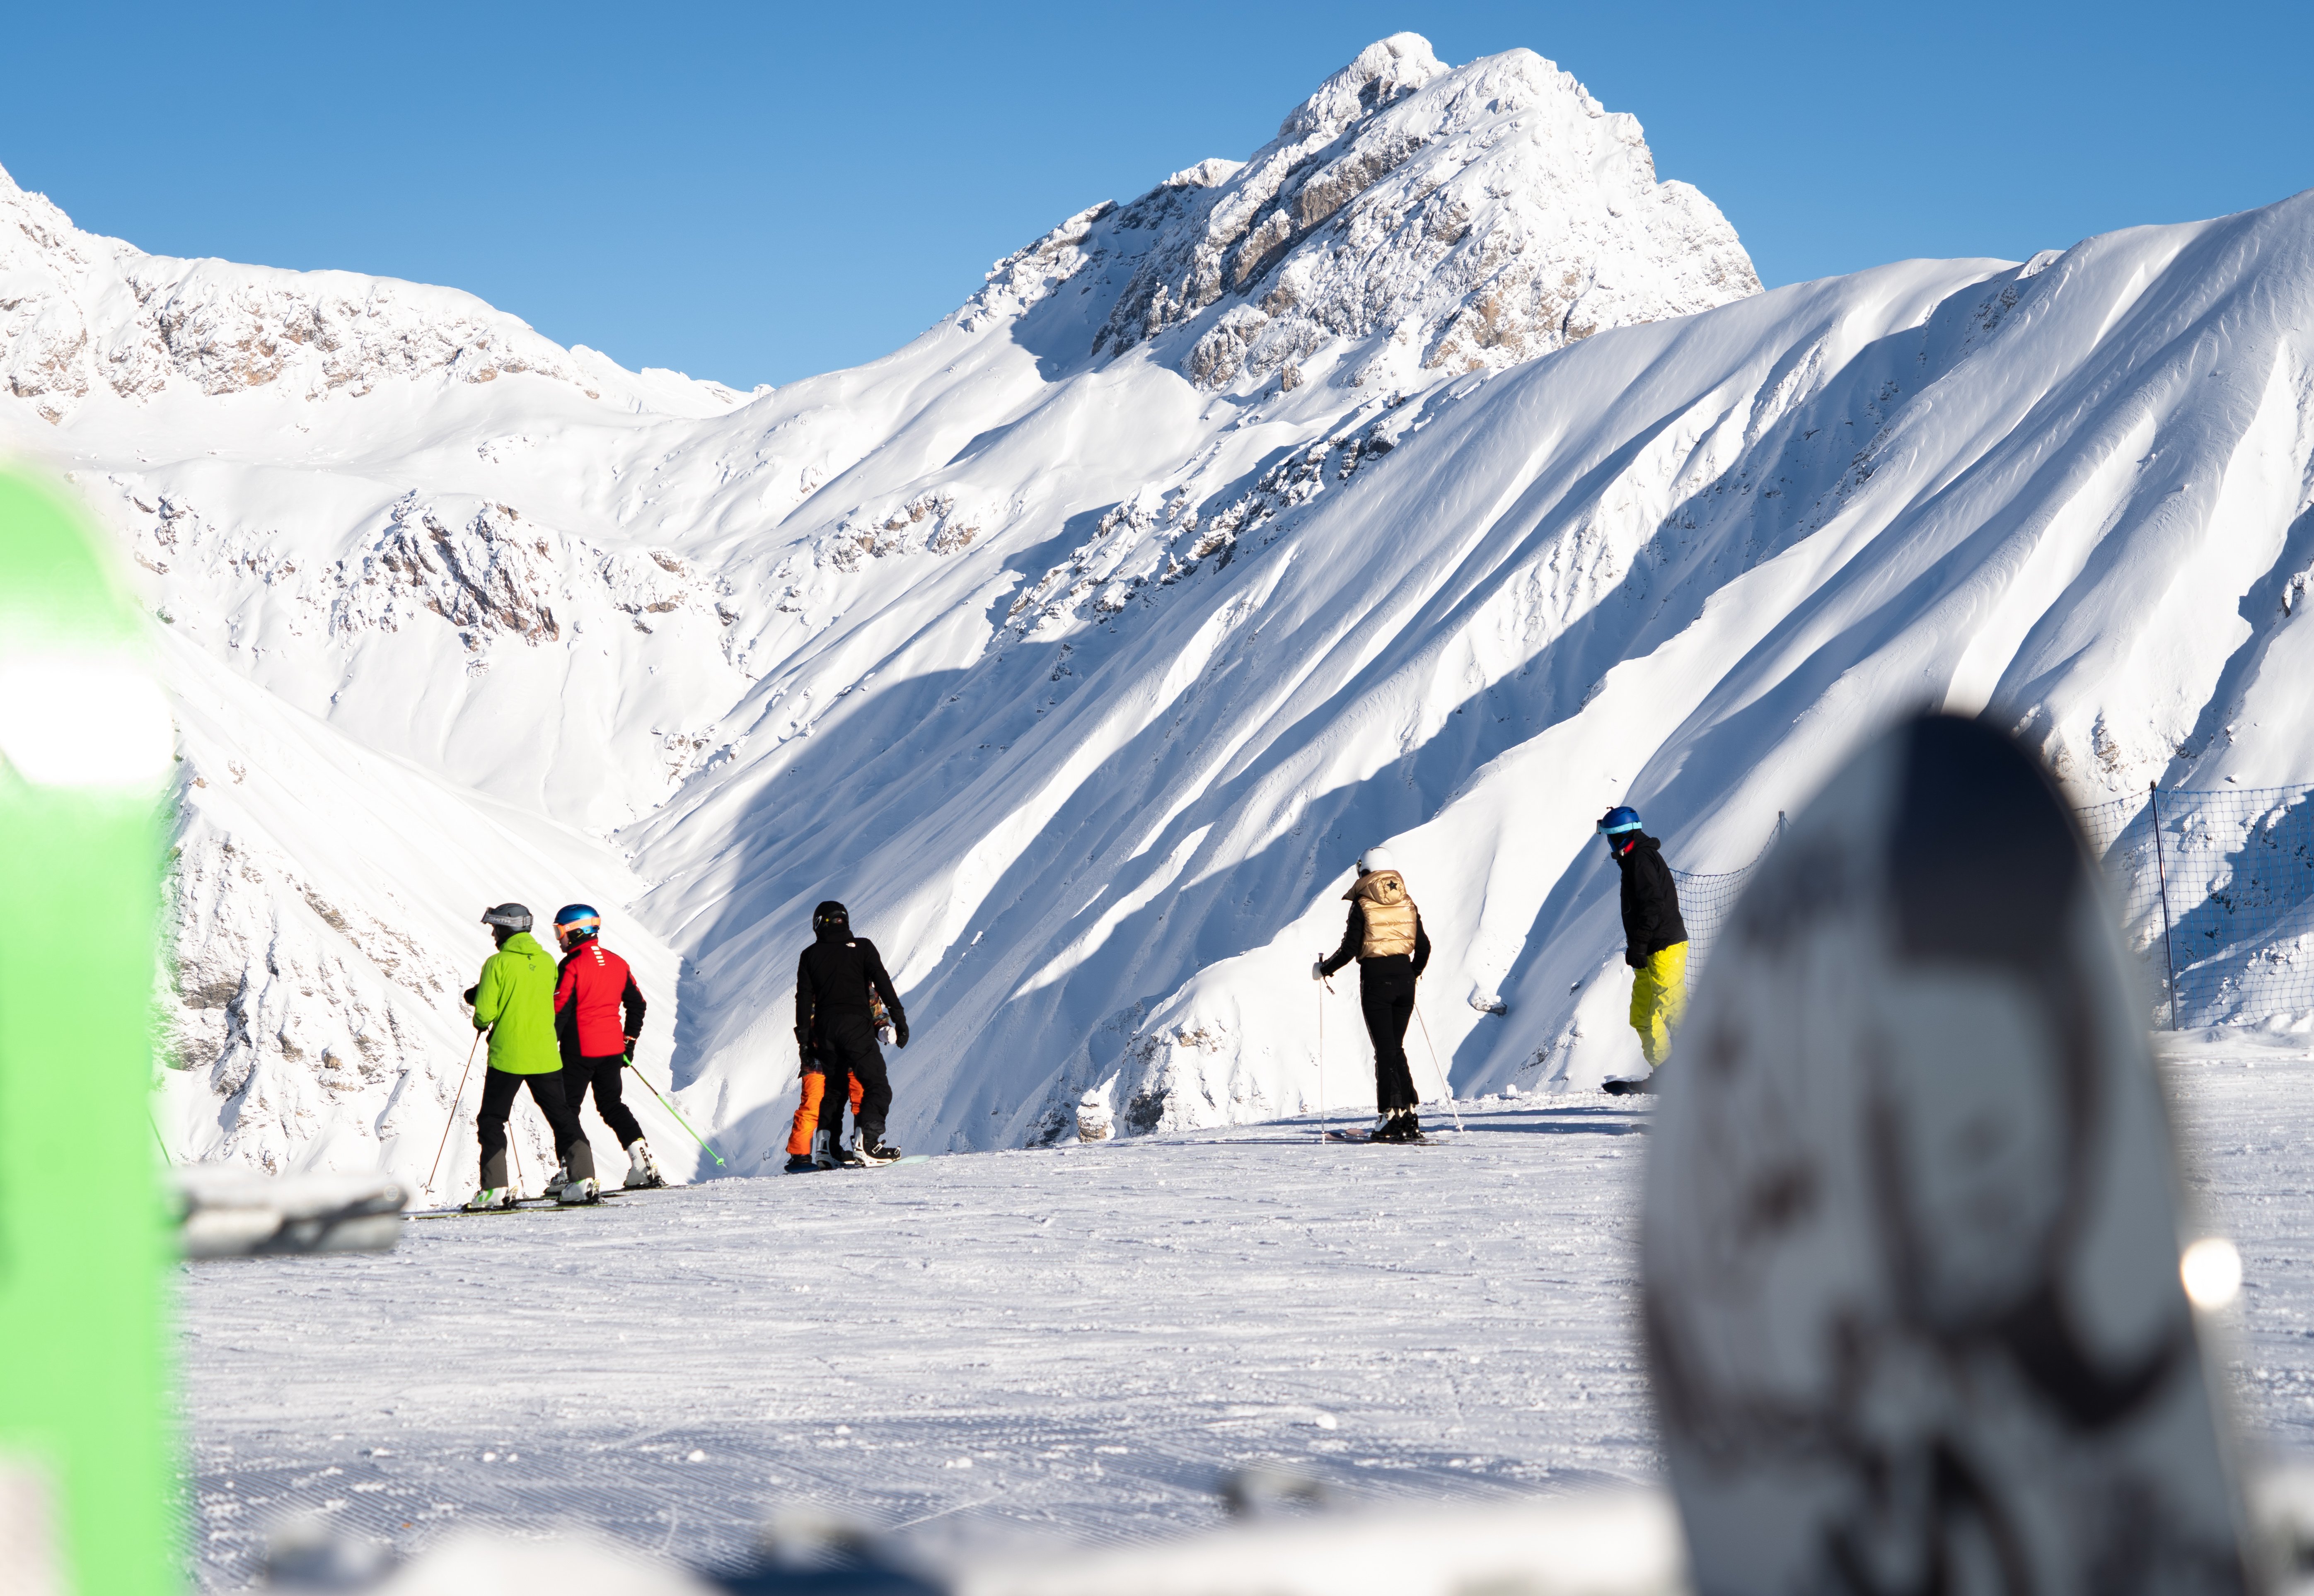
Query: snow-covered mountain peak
point(82, 315)
point(1464, 218)
point(1382, 72)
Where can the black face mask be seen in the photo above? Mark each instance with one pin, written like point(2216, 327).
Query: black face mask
point(1618, 842)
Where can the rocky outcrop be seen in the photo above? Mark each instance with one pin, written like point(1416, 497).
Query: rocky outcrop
point(1482, 215)
point(81, 313)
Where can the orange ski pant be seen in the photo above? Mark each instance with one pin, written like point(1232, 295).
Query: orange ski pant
point(807, 1114)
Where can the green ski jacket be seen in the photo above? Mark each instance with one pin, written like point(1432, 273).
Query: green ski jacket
point(515, 1002)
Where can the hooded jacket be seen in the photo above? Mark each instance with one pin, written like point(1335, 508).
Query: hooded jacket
point(515, 1002)
point(1383, 923)
point(1651, 919)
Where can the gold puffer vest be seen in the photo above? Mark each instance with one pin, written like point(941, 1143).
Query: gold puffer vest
point(1389, 913)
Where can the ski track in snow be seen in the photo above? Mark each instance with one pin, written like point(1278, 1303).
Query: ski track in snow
point(1076, 1342)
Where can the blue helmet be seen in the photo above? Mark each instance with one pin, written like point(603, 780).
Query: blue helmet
point(1621, 818)
point(576, 923)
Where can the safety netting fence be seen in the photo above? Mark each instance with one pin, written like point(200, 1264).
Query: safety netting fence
point(2216, 893)
point(2215, 889)
point(1706, 897)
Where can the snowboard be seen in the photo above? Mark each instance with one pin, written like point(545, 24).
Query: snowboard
point(1644, 1087)
point(1424, 1140)
point(1910, 1252)
point(912, 1158)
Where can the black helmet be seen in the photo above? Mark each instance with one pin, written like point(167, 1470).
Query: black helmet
point(514, 917)
point(830, 914)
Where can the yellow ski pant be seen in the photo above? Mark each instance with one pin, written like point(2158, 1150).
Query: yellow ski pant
point(1659, 1001)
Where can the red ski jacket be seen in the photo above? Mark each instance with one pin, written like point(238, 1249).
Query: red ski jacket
point(596, 985)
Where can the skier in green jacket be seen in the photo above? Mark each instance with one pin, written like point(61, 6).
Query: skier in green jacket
point(515, 1002)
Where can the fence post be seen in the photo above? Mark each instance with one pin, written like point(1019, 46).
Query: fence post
point(2162, 873)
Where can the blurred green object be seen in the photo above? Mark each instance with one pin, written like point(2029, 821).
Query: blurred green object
point(85, 752)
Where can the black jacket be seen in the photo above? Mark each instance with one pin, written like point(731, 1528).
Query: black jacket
point(833, 979)
point(1651, 921)
point(1354, 938)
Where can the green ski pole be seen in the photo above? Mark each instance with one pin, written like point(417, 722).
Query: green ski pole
point(685, 1124)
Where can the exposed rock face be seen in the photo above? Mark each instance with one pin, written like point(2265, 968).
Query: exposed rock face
point(1485, 214)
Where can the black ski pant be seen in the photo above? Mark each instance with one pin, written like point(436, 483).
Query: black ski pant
point(847, 1046)
point(1386, 997)
point(606, 1075)
point(499, 1087)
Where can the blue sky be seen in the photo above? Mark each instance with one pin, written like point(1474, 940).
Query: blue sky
point(756, 193)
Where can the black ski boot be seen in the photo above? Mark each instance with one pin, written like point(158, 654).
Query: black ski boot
point(876, 1150)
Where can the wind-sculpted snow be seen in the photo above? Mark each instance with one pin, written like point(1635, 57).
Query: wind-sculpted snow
point(1686, 564)
point(1081, 667)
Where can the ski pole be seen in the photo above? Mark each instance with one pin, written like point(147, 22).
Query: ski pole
point(1324, 986)
point(454, 1102)
point(685, 1124)
point(1440, 1070)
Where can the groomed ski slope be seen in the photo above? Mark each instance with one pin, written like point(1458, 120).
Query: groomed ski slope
point(1073, 1341)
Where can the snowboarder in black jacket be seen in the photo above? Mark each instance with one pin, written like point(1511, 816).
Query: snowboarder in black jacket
point(836, 1021)
point(1654, 937)
point(1385, 935)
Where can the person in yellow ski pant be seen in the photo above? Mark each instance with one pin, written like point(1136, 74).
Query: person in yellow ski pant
point(1659, 1001)
point(1654, 933)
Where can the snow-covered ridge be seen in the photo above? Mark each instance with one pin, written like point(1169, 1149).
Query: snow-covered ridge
point(79, 312)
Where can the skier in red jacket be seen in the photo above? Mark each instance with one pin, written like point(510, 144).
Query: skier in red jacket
point(598, 1013)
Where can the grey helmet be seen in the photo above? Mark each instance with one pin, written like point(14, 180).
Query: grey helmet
point(514, 917)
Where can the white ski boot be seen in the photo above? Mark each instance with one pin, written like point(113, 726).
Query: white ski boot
point(824, 1153)
point(489, 1198)
point(582, 1190)
point(641, 1172)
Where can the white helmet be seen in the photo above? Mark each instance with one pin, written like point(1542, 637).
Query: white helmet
point(1375, 859)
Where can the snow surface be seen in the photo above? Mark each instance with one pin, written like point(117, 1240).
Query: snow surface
point(1071, 1342)
point(1436, 476)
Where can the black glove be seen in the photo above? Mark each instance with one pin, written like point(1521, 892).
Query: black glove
point(899, 1033)
point(469, 993)
point(1635, 958)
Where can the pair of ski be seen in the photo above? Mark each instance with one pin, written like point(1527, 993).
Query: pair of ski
point(544, 1203)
